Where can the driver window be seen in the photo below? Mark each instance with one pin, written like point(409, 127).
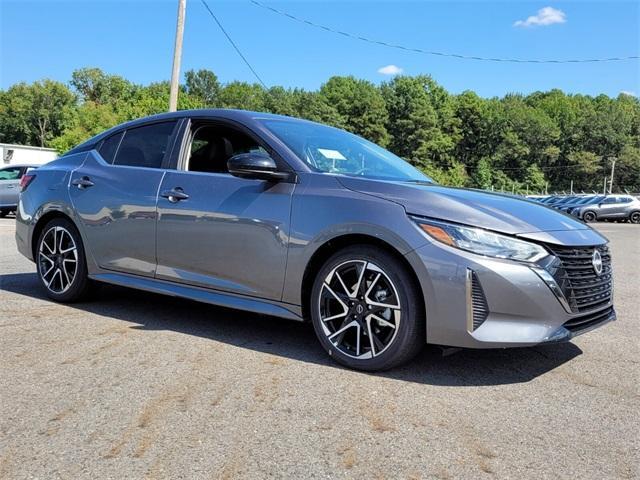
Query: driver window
point(213, 145)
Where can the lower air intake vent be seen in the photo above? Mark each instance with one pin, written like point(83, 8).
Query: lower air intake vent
point(479, 308)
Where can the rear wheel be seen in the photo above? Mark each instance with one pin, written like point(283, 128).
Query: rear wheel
point(634, 217)
point(366, 310)
point(4, 213)
point(589, 216)
point(61, 263)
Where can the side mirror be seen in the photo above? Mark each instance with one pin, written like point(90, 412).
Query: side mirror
point(255, 165)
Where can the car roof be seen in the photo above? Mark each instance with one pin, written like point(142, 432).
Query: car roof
point(245, 116)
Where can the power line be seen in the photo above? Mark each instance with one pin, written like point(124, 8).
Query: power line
point(233, 44)
point(429, 52)
point(542, 168)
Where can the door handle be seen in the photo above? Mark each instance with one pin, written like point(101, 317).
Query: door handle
point(174, 195)
point(84, 182)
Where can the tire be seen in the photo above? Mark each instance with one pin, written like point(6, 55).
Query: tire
point(589, 216)
point(395, 319)
point(4, 213)
point(61, 263)
point(634, 217)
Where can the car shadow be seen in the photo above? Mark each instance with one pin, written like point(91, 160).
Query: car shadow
point(297, 341)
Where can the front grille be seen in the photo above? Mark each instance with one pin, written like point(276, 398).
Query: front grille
point(584, 289)
point(589, 320)
point(480, 310)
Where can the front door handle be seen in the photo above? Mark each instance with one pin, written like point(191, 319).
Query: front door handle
point(84, 182)
point(174, 195)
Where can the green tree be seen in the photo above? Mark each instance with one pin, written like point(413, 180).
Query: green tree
point(483, 175)
point(93, 85)
point(628, 169)
point(88, 120)
point(413, 123)
point(360, 107)
point(203, 85)
point(242, 95)
point(35, 114)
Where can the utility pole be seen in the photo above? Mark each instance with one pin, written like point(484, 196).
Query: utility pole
point(604, 188)
point(613, 167)
point(571, 187)
point(177, 55)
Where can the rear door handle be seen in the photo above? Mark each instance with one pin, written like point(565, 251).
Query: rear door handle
point(84, 182)
point(174, 195)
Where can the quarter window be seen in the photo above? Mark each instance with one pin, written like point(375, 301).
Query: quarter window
point(145, 146)
point(109, 147)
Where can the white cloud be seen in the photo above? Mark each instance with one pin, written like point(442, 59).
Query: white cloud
point(546, 16)
point(390, 70)
point(631, 94)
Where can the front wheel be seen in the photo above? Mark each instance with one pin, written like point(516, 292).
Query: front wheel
point(366, 310)
point(634, 217)
point(61, 263)
point(589, 217)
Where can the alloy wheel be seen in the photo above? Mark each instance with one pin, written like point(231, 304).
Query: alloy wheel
point(635, 217)
point(57, 259)
point(359, 309)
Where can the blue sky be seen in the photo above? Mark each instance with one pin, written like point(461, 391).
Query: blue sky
point(134, 39)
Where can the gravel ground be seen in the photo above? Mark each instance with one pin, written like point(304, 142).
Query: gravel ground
point(136, 385)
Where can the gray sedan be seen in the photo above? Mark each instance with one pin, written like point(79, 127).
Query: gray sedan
point(10, 177)
point(298, 220)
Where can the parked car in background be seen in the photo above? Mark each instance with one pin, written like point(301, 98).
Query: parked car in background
point(291, 218)
point(10, 177)
point(586, 200)
point(611, 207)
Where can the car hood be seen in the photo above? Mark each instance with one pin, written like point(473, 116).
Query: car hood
point(492, 211)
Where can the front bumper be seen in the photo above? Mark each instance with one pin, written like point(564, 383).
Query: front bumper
point(521, 309)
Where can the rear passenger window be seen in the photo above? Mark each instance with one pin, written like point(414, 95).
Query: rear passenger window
point(109, 147)
point(145, 146)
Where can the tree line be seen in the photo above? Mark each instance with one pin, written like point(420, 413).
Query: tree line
point(520, 143)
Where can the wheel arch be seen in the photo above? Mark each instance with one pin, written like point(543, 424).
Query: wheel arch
point(42, 222)
point(335, 244)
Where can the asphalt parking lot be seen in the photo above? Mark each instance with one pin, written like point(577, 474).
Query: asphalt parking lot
point(136, 385)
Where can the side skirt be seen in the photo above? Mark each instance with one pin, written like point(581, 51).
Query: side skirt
point(239, 302)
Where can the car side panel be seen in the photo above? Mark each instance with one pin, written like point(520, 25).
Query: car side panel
point(9, 192)
point(47, 193)
point(231, 234)
point(323, 209)
point(117, 215)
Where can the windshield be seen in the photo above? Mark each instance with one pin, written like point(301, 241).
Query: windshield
point(330, 150)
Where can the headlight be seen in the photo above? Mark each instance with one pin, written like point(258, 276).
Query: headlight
point(481, 242)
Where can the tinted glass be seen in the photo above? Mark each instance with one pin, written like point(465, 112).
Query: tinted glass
point(10, 173)
point(145, 146)
point(331, 150)
point(213, 145)
point(624, 200)
point(609, 200)
point(109, 147)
